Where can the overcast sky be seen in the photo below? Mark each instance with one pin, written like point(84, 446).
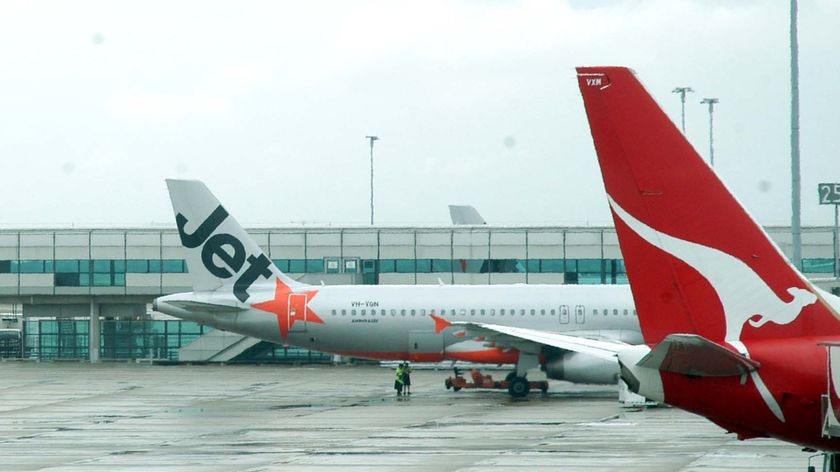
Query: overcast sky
point(475, 102)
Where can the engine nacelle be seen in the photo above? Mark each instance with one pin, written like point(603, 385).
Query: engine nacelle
point(580, 368)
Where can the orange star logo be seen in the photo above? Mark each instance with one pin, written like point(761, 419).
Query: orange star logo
point(289, 307)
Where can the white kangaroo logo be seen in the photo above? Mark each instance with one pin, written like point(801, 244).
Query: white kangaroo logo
point(743, 294)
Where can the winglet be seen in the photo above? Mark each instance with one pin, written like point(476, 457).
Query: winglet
point(440, 323)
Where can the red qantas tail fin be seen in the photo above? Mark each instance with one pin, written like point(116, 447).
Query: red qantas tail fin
point(697, 262)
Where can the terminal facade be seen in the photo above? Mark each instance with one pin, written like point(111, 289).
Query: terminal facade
point(86, 293)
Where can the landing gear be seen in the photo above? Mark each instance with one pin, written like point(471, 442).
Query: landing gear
point(519, 387)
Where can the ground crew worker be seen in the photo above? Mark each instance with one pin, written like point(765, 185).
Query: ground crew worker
point(407, 378)
point(398, 381)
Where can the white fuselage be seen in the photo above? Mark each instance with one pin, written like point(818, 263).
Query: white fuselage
point(395, 322)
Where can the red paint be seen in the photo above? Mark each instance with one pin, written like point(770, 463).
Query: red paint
point(282, 304)
point(653, 173)
point(440, 323)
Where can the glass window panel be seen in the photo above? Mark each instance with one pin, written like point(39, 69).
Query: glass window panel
point(441, 265)
point(119, 265)
point(101, 280)
point(571, 265)
point(48, 266)
point(424, 265)
point(5, 267)
point(315, 266)
point(282, 264)
point(297, 265)
point(84, 279)
point(589, 265)
point(172, 266)
point(49, 326)
point(137, 266)
point(404, 266)
point(533, 265)
point(818, 266)
point(553, 266)
point(31, 266)
point(387, 266)
point(119, 280)
point(589, 278)
point(155, 265)
point(66, 279)
point(102, 265)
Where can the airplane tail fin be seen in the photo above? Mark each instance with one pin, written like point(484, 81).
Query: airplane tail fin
point(220, 254)
point(697, 262)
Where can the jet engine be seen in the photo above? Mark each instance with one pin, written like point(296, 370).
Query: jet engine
point(580, 368)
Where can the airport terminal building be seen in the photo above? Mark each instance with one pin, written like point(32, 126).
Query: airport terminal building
point(86, 293)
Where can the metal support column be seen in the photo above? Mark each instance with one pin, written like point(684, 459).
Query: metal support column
point(93, 332)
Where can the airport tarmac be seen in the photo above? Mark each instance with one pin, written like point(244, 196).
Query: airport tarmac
point(136, 417)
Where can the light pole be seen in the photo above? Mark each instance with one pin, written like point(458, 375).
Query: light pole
point(372, 139)
point(795, 183)
point(711, 102)
point(682, 91)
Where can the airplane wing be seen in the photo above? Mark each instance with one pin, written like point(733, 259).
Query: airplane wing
point(695, 355)
point(521, 337)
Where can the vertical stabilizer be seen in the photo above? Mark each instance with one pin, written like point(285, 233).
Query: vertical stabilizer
point(697, 262)
point(220, 255)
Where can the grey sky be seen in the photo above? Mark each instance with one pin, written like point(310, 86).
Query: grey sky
point(475, 102)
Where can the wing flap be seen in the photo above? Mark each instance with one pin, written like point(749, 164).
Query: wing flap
point(695, 355)
point(517, 336)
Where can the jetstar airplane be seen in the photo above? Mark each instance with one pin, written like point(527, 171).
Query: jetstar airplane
point(237, 288)
point(732, 330)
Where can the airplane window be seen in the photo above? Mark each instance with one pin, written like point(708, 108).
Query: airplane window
point(625, 312)
point(463, 311)
point(502, 312)
point(542, 312)
point(413, 312)
point(422, 312)
point(372, 312)
point(522, 312)
point(594, 311)
point(343, 312)
point(533, 312)
point(492, 312)
point(403, 312)
point(333, 312)
point(364, 312)
point(452, 312)
point(634, 312)
point(393, 312)
point(352, 312)
point(482, 312)
point(472, 312)
point(512, 311)
point(552, 312)
point(615, 312)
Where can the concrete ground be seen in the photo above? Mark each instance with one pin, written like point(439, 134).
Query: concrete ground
point(129, 417)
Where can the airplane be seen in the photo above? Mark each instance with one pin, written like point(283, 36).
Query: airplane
point(732, 330)
point(237, 288)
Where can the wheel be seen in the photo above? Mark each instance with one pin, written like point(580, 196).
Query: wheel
point(519, 387)
point(448, 384)
point(544, 387)
point(509, 378)
point(456, 388)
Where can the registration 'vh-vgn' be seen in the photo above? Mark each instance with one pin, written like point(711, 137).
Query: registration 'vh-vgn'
point(539, 328)
point(732, 330)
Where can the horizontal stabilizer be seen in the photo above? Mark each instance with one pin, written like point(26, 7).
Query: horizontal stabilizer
point(694, 355)
point(514, 336)
point(196, 306)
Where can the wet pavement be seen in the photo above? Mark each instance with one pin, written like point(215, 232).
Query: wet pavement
point(132, 417)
